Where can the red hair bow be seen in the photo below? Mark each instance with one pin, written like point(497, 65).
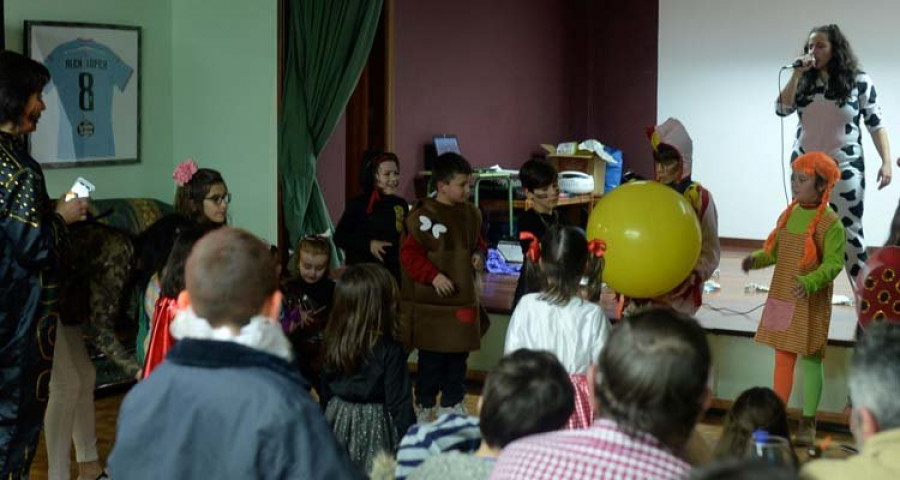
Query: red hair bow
point(534, 248)
point(597, 247)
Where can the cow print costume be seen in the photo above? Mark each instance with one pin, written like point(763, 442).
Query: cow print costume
point(829, 125)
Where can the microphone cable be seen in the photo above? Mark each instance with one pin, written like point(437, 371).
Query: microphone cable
point(787, 199)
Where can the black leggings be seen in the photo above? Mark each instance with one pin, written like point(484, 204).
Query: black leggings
point(444, 373)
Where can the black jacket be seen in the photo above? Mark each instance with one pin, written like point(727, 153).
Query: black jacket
point(32, 238)
point(357, 228)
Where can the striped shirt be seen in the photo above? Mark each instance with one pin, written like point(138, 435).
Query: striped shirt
point(601, 452)
point(450, 432)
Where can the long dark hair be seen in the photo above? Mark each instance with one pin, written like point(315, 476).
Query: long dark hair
point(189, 198)
point(565, 260)
point(758, 408)
point(172, 278)
point(842, 68)
point(365, 310)
point(20, 78)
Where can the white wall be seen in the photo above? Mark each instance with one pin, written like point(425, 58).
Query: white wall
point(718, 68)
point(224, 57)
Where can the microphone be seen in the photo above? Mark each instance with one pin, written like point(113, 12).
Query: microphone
point(799, 62)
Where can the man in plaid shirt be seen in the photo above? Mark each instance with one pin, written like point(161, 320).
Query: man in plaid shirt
point(650, 386)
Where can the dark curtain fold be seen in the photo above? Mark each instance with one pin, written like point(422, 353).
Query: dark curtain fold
point(327, 47)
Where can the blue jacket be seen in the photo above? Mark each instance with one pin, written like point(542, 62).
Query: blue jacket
point(221, 410)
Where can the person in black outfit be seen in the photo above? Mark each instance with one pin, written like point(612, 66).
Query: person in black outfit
point(33, 237)
point(541, 184)
point(367, 389)
point(369, 230)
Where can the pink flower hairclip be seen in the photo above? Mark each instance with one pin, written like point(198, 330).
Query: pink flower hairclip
point(184, 172)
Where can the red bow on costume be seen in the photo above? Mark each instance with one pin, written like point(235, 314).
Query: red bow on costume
point(597, 247)
point(374, 197)
point(534, 248)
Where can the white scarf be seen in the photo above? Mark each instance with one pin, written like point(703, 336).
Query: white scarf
point(261, 333)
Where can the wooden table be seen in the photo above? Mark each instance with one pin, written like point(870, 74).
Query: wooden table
point(519, 204)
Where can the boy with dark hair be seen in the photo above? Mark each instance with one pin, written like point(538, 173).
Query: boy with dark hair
point(527, 393)
point(540, 181)
point(440, 314)
point(650, 387)
point(226, 403)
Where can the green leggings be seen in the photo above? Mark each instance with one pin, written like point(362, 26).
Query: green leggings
point(813, 378)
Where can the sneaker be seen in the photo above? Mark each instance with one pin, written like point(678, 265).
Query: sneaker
point(425, 414)
point(806, 431)
point(458, 409)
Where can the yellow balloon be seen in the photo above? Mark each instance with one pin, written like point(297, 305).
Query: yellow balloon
point(652, 238)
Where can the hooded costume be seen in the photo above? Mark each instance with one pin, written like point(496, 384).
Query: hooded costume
point(671, 136)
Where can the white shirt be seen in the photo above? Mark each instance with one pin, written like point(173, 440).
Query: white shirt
point(575, 332)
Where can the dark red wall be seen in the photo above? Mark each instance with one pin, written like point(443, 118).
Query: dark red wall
point(616, 79)
point(332, 170)
point(495, 73)
point(508, 75)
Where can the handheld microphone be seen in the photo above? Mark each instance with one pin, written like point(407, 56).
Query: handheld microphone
point(799, 62)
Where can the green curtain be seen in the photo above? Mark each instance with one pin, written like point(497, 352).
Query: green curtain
point(327, 46)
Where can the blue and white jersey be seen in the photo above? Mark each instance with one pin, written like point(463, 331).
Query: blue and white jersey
point(84, 73)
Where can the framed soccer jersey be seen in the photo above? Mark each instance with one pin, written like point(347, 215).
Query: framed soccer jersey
point(93, 97)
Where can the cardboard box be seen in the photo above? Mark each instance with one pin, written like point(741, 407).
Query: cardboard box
point(581, 161)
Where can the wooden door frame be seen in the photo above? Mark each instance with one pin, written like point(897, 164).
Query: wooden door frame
point(370, 111)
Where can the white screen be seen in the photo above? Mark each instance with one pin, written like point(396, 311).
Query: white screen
point(718, 69)
point(443, 145)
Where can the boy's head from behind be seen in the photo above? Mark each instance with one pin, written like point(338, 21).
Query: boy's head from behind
point(231, 277)
point(313, 258)
point(528, 392)
point(652, 375)
point(450, 175)
point(540, 181)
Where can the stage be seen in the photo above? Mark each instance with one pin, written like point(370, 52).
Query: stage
point(739, 362)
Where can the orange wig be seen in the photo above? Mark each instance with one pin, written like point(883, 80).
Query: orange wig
point(815, 164)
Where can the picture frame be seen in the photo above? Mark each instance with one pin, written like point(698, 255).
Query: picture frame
point(93, 99)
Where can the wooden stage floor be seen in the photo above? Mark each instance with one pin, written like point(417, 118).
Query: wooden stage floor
point(731, 310)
